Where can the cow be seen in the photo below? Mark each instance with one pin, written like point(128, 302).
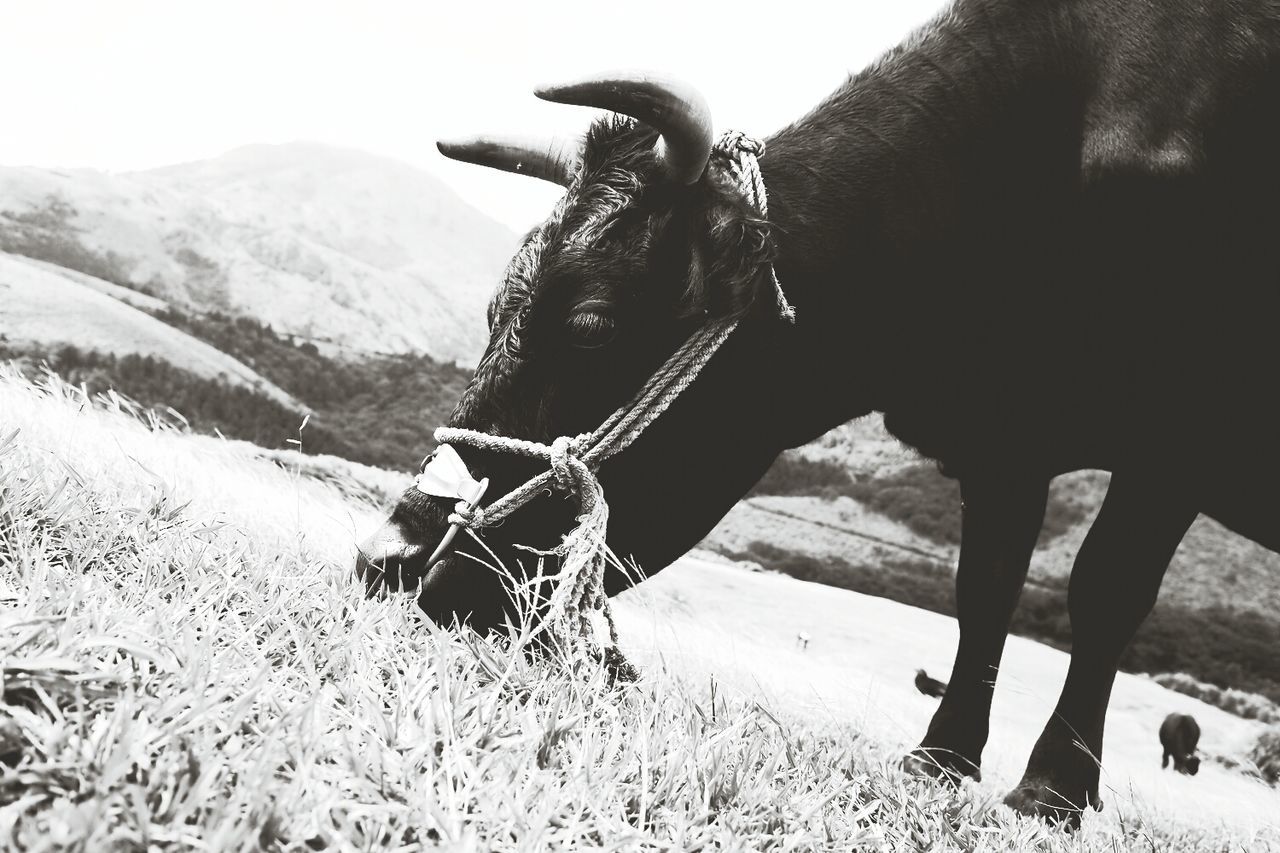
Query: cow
point(1179, 735)
point(930, 686)
point(1039, 236)
point(802, 640)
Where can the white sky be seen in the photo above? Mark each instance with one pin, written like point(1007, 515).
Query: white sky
point(129, 85)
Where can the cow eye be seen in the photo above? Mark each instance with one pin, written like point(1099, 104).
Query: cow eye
point(590, 330)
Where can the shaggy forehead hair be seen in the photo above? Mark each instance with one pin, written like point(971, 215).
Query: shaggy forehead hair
point(618, 158)
point(618, 161)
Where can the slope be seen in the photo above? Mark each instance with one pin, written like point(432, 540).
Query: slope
point(182, 634)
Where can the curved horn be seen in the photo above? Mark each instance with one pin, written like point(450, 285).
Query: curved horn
point(674, 109)
point(549, 159)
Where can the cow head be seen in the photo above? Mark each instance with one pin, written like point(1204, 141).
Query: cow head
point(652, 239)
point(1191, 765)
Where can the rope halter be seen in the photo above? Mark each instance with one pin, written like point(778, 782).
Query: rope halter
point(574, 460)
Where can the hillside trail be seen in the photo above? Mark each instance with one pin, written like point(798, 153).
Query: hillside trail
point(705, 620)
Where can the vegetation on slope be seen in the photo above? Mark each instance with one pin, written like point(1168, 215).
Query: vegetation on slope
point(383, 407)
point(379, 410)
point(917, 496)
point(187, 667)
point(47, 234)
point(1249, 706)
point(209, 406)
point(1265, 755)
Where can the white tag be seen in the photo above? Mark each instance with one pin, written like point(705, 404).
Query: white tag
point(446, 476)
point(600, 627)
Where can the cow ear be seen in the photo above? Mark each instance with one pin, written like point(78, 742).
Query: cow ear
point(729, 261)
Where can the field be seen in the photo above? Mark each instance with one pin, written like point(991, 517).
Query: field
point(188, 664)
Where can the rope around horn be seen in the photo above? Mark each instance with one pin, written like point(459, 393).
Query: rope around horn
point(574, 460)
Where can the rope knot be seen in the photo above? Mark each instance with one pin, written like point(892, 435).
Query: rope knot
point(746, 144)
point(467, 515)
point(564, 452)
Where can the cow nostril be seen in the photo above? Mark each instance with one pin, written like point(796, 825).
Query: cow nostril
point(368, 571)
point(393, 573)
point(389, 562)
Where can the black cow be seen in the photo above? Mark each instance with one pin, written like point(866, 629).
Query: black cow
point(1179, 735)
point(930, 686)
point(1040, 236)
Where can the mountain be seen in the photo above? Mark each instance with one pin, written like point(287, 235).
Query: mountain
point(338, 247)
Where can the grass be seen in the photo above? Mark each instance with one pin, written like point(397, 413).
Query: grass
point(189, 665)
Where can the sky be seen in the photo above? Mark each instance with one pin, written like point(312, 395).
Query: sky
point(131, 85)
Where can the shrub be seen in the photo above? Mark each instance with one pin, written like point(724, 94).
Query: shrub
point(1249, 706)
point(918, 496)
point(1265, 754)
point(793, 474)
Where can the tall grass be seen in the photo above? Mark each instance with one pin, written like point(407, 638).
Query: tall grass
point(189, 665)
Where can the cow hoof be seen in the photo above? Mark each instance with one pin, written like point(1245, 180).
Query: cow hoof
point(944, 764)
point(1047, 801)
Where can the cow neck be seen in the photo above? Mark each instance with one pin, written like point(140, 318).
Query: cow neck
point(868, 190)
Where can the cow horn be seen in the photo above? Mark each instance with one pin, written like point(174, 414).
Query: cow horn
point(549, 159)
point(674, 109)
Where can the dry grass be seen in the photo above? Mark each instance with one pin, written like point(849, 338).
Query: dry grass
point(187, 664)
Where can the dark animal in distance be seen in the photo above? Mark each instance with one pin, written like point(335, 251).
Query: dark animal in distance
point(1179, 735)
point(930, 686)
point(1040, 236)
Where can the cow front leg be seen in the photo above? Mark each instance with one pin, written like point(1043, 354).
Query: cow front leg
point(1001, 521)
point(1114, 584)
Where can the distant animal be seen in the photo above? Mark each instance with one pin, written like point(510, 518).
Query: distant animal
point(1039, 237)
point(930, 686)
point(802, 640)
point(1179, 735)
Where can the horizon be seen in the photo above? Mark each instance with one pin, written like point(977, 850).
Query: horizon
point(383, 80)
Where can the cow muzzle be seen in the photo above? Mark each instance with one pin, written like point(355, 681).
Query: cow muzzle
point(390, 560)
point(393, 558)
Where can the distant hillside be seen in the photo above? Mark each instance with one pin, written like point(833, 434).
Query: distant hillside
point(333, 245)
point(44, 308)
point(384, 408)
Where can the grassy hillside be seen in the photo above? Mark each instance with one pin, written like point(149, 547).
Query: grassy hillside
point(378, 410)
point(1222, 647)
point(891, 526)
point(175, 395)
point(44, 307)
point(384, 408)
point(188, 664)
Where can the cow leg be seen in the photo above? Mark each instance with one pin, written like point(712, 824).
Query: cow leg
point(1001, 521)
point(1164, 761)
point(1114, 584)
